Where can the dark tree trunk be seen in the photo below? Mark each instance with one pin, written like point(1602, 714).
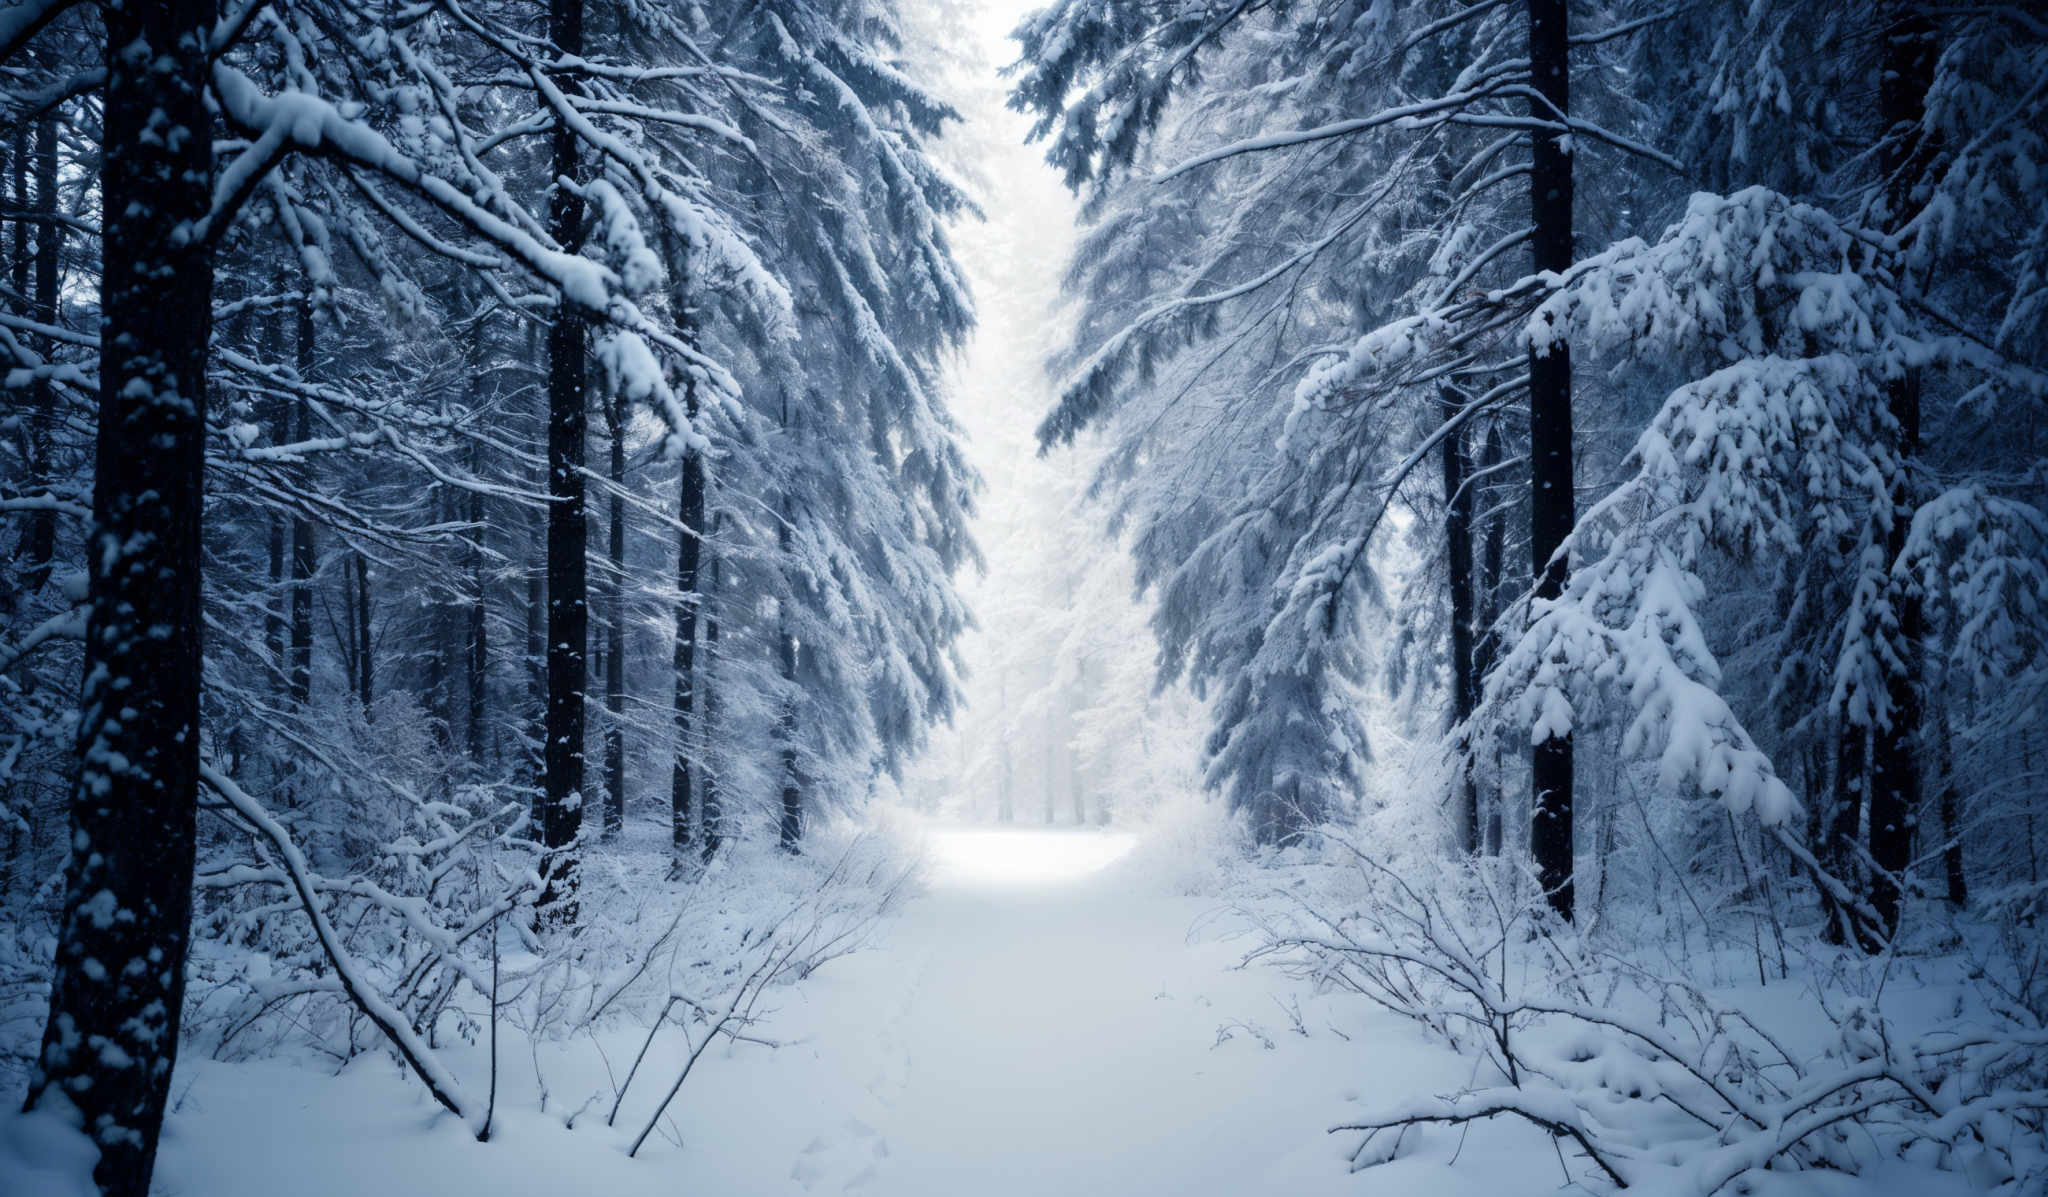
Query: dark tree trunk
point(1839, 851)
point(275, 622)
point(1907, 70)
point(1894, 771)
point(366, 659)
point(1458, 572)
point(615, 634)
point(689, 599)
point(477, 677)
point(112, 1034)
point(439, 691)
point(536, 647)
point(714, 802)
point(568, 531)
point(791, 832)
point(1550, 428)
point(303, 552)
point(476, 674)
point(277, 618)
point(1493, 560)
point(1951, 816)
point(689, 559)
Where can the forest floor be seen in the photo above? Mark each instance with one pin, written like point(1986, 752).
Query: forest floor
point(1048, 1017)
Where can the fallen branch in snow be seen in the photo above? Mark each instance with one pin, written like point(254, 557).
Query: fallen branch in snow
point(1675, 1090)
point(362, 991)
point(373, 1005)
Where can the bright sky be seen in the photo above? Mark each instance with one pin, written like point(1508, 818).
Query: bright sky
point(1021, 857)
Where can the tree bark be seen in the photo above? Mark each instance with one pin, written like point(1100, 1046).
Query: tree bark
point(1951, 815)
point(536, 647)
point(477, 674)
point(1906, 72)
point(1550, 428)
point(275, 622)
point(366, 676)
point(791, 832)
point(568, 531)
point(705, 678)
point(689, 558)
point(278, 411)
point(1458, 573)
point(1492, 562)
point(300, 670)
point(1839, 851)
point(615, 634)
point(119, 980)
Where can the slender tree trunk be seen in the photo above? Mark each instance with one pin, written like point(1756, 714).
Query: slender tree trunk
point(568, 530)
point(275, 622)
point(689, 557)
point(792, 828)
point(118, 985)
point(1550, 428)
point(1458, 572)
point(706, 678)
point(791, 832)
point(477, 709)
point(1493, 560)
point(536, 647)
point(1906, 73)
point(303, 551)
point(277, 617)
point(476, 631)
point(366, 657)
point(1851, 787)
point(442, 650)
point(349, 639)
point(615, 635)
point(1951, 813)
point(448, 637)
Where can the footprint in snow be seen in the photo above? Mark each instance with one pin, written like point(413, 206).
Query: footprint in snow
point(846, 1158)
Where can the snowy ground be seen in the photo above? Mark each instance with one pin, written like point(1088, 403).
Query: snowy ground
point(1046, 1018)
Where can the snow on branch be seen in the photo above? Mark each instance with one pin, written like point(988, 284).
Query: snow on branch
point(1788, 448)
point(1660, 1087)
point(397, 1027)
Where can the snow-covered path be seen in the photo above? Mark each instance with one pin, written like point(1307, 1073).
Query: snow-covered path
point(1047, 1018)
point(1057, 1033)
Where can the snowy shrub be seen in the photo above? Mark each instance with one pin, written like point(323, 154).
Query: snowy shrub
point(1651, 1082)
